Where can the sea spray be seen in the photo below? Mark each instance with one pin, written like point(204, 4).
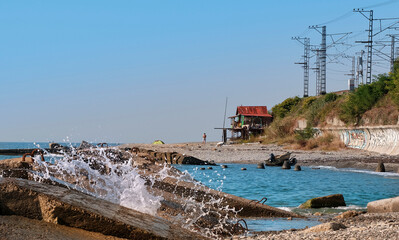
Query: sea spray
point(112, 174)
point(100, 176)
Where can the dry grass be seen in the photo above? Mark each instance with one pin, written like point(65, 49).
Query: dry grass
point(327, 142)
point(385, 112)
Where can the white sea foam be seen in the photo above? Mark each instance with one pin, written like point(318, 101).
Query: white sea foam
point(351, 207)
point(288, 209)
point(383, 174)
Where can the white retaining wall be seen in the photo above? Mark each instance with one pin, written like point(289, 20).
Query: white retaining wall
point(381, 139)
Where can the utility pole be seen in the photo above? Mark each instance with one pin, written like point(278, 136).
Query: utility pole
point(359, 71)
point(322, 57)
point(369, 42)
point(371, 35)
point(306, 43)
point(317, 71)
point(392, 58)
point(351, 81)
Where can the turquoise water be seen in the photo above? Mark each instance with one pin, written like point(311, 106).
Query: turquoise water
point(289, 188)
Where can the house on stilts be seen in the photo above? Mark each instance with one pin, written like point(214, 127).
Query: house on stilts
point(248, 121)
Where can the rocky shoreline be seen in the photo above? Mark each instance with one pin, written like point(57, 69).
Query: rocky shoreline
point(346, 226)
point(363, 226)
point(254, 153)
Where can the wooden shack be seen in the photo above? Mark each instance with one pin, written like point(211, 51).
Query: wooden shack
point(249, 120)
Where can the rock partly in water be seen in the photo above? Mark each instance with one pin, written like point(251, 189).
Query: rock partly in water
point(380, 167)
point(384, 205)
point(331, 226)
point(261, 166)
point(335, 200)
point(286, 165)
point(297, 168)
point(84, 145)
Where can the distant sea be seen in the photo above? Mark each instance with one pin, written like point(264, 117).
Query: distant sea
point(23, 145)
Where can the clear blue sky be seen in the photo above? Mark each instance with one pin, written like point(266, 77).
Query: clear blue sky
point(136, 71)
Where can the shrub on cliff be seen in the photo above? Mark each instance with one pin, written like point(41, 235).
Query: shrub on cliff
point(364, 98)
point(394, 86)
point(284, 108)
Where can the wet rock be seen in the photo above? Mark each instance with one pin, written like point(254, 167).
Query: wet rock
point(331, 226)
point(16, 163)
point(202, 168)
point(384, 205)
point(243, 169)
point(261, 166)
point(286, 165)
point(223, 166)
point(84, 145)
point(380, 167)
point(334, 200)
point(297, 168)
point(210, 168)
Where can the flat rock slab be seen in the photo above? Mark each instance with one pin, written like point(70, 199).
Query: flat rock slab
point(22, 228)
point(335, 200)
point(384, 205)
point(75, 209)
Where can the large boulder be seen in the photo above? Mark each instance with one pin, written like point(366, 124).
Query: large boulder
point(384, 205)
point(335, 200)
point(78, 210)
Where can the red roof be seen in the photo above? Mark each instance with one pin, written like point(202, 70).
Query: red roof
point(258, 111)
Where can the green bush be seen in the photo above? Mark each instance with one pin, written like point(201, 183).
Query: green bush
point(282, 109)
point(307, 102)
point(393, 86)
point(363, 99)
point(330, 97)
point(305, 134)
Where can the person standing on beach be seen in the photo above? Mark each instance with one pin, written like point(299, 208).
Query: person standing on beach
point(204, 138)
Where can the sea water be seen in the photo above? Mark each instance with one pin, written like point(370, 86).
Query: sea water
point(285, 189)
point(289, 188)
point(31, 145)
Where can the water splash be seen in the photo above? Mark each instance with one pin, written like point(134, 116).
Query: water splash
point(116, 176)
point(96, 172)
